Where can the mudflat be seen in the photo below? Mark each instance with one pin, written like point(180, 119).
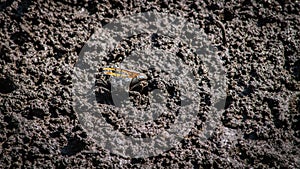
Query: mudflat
point(258, 44)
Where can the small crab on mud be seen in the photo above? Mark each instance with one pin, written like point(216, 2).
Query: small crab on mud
point(140, 86)
point(138, 91)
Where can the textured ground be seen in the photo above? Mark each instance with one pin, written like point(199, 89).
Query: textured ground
point(41, 41)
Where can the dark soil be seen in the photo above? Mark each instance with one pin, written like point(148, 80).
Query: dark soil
point(40, 44)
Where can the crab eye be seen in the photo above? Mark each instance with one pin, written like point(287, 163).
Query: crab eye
point(142, 76)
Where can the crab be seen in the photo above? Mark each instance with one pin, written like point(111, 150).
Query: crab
point(137, 86)
point(137, 78)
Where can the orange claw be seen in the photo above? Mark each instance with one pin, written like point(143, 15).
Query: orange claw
point(118, 72)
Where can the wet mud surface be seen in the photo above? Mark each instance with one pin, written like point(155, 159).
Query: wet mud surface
point(258, 43)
